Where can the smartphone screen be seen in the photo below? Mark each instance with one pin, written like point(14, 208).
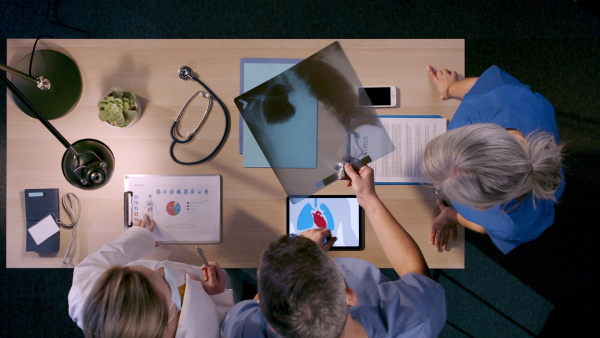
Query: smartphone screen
point(378, 96)
point(342, 215)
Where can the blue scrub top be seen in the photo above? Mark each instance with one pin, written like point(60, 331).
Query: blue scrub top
point(413, 306)
point(499, 98)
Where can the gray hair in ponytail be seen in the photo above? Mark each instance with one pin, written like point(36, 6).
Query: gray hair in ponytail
point(482, 165)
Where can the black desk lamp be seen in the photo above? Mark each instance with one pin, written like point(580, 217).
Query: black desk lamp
point(88, 163)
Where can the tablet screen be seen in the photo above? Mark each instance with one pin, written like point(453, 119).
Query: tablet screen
point(340, 214)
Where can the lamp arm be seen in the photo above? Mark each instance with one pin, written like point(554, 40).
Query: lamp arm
point(40, 117)
point(41, 82)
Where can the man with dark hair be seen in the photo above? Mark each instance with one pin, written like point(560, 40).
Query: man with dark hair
point(305, 293)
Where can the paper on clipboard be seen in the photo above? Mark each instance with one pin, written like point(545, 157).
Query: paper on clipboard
point(186, 209)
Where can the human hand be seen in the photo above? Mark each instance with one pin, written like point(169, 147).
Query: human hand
point(214, 278)
point(362, 182)
point(322, 237)
point(443, 225)
point(145, 222)
point(442, 80)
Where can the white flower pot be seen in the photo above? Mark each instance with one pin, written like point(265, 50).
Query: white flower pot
point(137, 107)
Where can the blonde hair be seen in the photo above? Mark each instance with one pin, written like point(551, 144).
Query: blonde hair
point(482, 165)
point(123, 303)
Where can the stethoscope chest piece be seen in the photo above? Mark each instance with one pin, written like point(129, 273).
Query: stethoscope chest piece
point(185, 73)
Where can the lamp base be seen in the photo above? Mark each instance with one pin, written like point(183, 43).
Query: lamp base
point(94, 166)
point(64, 76)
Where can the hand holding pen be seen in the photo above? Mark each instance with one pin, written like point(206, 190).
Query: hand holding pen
point(214, 275)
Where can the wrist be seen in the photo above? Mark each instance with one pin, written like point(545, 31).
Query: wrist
point(371, 204)
point(452, 215)
point(450, 91)
point(460, 88)
point(367, 199)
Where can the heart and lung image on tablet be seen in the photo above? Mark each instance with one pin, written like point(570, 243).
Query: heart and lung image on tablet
point(340, 214)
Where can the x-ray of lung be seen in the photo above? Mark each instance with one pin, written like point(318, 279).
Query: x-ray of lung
point(308, 123)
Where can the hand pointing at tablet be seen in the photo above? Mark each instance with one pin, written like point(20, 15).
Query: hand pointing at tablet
point(322, 237)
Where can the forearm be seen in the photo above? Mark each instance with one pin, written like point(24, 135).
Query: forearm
point(469, 225)
point(459, 89)
point(223, 303)
point(399, 247)
point(456, 218)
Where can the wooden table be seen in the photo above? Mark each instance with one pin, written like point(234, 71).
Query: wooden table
point(253, 199)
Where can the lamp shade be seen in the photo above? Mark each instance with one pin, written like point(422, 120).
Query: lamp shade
point(92, 167)
point(65, 89)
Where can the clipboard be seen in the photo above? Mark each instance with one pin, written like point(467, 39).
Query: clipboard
point(186, 208)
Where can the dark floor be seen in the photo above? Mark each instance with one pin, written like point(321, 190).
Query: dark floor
point(548, 287)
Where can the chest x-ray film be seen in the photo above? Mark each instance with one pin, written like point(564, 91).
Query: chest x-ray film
point(308, 123)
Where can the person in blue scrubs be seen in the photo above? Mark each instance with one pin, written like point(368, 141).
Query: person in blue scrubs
point(305, 293)
point(498, 168)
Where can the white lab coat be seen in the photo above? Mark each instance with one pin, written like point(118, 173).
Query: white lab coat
point(201, 313)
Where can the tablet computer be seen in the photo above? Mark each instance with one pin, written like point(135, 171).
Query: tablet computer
point(339, 213)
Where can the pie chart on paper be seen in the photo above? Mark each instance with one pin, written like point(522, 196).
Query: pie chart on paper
point(173, 208)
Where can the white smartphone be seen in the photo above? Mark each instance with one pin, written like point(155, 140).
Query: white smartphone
point(377, 96)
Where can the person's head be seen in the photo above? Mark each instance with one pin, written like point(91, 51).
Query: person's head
point(483, 165)
point(302, 293)
point(127, 301)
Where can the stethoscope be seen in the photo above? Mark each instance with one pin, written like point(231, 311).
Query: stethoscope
point(186, 73)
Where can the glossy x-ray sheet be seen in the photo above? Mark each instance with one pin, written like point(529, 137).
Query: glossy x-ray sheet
point(307, 122)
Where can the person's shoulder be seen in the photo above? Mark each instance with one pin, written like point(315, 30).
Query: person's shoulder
point(499, 74)
point(245, 320)
point(355, 266)
point(350, 260)
point(490, 80)
point(414, 278)
point(420, 300)
point(247, 307)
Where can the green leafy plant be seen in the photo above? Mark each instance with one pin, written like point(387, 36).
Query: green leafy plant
point(118, 108)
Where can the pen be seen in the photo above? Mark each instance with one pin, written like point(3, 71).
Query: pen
point(201, 254)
